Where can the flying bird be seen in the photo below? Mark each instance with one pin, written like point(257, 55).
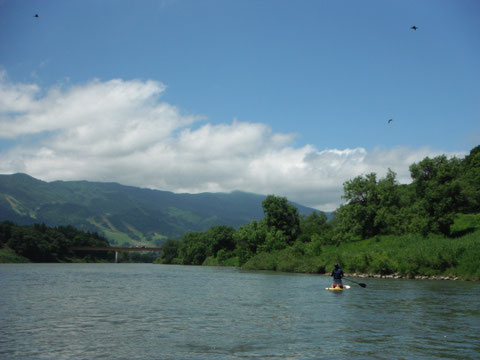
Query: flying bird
point(414, 27)
point(389, 121)
point(36, 16)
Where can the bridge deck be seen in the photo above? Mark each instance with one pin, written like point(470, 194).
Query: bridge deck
point(98, 248)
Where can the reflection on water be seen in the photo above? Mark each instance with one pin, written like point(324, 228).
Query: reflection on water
point(140, 311)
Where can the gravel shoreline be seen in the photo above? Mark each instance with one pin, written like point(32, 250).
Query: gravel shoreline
point(400, 276)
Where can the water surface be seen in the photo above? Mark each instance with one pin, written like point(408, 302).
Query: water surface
point(144, 311)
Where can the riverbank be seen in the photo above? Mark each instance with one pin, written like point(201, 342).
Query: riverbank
point(400, 276)
point(409, 256)
point(8, 256)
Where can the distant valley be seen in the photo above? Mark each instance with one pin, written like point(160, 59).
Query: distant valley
point(126, 215)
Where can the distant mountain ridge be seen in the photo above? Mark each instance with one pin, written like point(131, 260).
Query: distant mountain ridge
point(124, 214)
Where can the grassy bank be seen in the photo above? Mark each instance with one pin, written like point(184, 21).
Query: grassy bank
point(9, 256)
point(408, 255)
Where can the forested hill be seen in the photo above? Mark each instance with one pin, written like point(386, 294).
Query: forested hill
point(124, 213)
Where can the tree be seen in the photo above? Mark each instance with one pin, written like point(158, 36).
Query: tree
point(249, 238)
point(316, 225)
point(219, 237)
point(438, 191)
point(193, 249)
point(40, 243)
point(387, 219)
point(274, 240)
point(170, 251)
point(282, 216)
point(27, 241)
point(373, 207)
point(357, 217)
point(470, 181)
point(5, 232)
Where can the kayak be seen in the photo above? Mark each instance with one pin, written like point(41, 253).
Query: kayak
point(345, 287)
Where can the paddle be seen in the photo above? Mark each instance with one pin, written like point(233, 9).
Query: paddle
point(361, 284)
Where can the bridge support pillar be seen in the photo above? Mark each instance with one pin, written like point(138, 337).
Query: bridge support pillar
point(116, 257)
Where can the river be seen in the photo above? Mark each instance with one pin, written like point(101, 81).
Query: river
point(146, 311)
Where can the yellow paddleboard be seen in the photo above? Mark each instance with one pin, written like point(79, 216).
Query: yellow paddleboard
point(345, 287)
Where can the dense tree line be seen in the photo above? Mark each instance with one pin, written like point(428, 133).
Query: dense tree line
point(282, 227)
point(441, 188)
point(40, 243)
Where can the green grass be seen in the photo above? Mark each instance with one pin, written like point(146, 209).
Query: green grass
point(157, 236)
point(403, 255)
point(407, 255)
point(213, 261)
point(118, 238)
point(286, 260)
point(465, 223)
point(182, 214)
point(9, 256)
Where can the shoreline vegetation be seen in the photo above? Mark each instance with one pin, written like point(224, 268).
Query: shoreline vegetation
point(409, 277)
point(428, 258)
point(407, 257)
point(427, 229)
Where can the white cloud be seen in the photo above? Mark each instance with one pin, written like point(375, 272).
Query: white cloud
point(120, 131)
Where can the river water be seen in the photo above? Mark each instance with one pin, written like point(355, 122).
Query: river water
point(146, 311)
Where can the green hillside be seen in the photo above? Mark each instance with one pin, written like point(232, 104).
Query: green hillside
point(124, 214)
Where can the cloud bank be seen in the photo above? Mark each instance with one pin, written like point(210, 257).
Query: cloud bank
point(121, 131)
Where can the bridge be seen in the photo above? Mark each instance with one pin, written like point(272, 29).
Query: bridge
point(116, 249)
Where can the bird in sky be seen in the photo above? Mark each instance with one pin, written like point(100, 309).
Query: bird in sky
point(389, 121)
point(414, 27)
point(36, 16)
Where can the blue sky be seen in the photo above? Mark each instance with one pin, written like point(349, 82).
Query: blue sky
point(282, 97)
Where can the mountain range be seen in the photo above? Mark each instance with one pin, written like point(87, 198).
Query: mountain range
point(125, 215)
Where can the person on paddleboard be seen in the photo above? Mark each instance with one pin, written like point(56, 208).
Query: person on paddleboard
point(337, 275)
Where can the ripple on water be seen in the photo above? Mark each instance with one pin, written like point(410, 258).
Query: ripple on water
point(134, 311)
